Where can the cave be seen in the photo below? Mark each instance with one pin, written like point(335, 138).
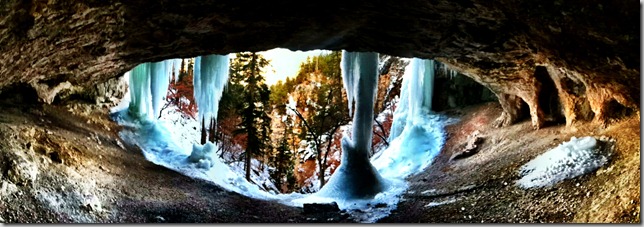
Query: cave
point(530, 76)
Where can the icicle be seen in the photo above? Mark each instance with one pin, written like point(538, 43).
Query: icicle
point(347, 64)
point(140, 90)
point(148, 88)
point(176, 68)
point(365, 87)
point(356, 177)
point(160, 79)
point(210, 78)
point(402, 108)
point(427, 83)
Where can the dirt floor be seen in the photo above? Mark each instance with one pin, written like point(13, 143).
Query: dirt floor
point(481, 188)
point(67, 164)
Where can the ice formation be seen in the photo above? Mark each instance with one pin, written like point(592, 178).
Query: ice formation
point(349, 63)
point(149, 86)
point(415, 95)
point(159, 81)
point(357, 184)
point(416, 135)
point(356, 178)
point(568, 160)
point(139, 90)
point(210, 78)
point(414, 148)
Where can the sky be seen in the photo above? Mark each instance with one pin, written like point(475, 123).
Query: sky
point(285, 63)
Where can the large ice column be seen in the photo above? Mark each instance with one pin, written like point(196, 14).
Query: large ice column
point(176, 68)
point(159, 81)
point(140, 91)
point(148, 87)
point(356, 178)
point(210, 78)
point(415, 94)
point(348, 64)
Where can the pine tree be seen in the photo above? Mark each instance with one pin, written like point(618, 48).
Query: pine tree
point(247, 68)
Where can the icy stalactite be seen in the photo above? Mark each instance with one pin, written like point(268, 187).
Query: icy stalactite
point(415, 95)
point(140, 91)
point(356, 178)
point(148, 87)
point(176, 68)
point(348, 64)
point(159, 81)
point(210, 78)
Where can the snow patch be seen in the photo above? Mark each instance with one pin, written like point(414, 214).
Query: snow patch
point(434, 204)
point(568, 160)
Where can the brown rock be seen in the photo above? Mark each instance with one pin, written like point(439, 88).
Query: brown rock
point(587, 47)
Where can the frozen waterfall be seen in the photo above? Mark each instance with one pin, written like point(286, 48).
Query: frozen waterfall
point(139, 91)
point(415, 95)
point(210, 78)
point(149, 86)
point(416, 134)
point(356, 178)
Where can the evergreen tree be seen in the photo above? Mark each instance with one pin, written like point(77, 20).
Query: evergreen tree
point(282, 161)
point(255, 121)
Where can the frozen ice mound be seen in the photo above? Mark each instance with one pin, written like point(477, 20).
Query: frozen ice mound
point(203, 155)
point(570, 159)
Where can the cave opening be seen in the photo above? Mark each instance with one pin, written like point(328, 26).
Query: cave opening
point(415, 143)
point(20, 93)
point(548, 97)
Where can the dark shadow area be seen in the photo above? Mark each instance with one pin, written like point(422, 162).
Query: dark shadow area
point(455, 90)
point(548, 98)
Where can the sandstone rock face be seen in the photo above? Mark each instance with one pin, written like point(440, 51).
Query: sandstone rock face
point(589, 49)
point(108, 93)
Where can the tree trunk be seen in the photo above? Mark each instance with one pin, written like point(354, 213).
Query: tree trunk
point(321, 170)
point(247, 166)
point(203, 131)
point(211, 131)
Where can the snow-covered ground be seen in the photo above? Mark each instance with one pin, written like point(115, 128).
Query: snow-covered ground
point(170, 141)
point(568, 160)
point(164, 147)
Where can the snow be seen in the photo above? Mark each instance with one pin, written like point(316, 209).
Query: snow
point(568, 160)
point(159, 146)
point(434, 204)
point(184, 129)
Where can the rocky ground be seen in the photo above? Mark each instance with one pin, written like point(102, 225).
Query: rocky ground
point(481, 188)
point(66, 163)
